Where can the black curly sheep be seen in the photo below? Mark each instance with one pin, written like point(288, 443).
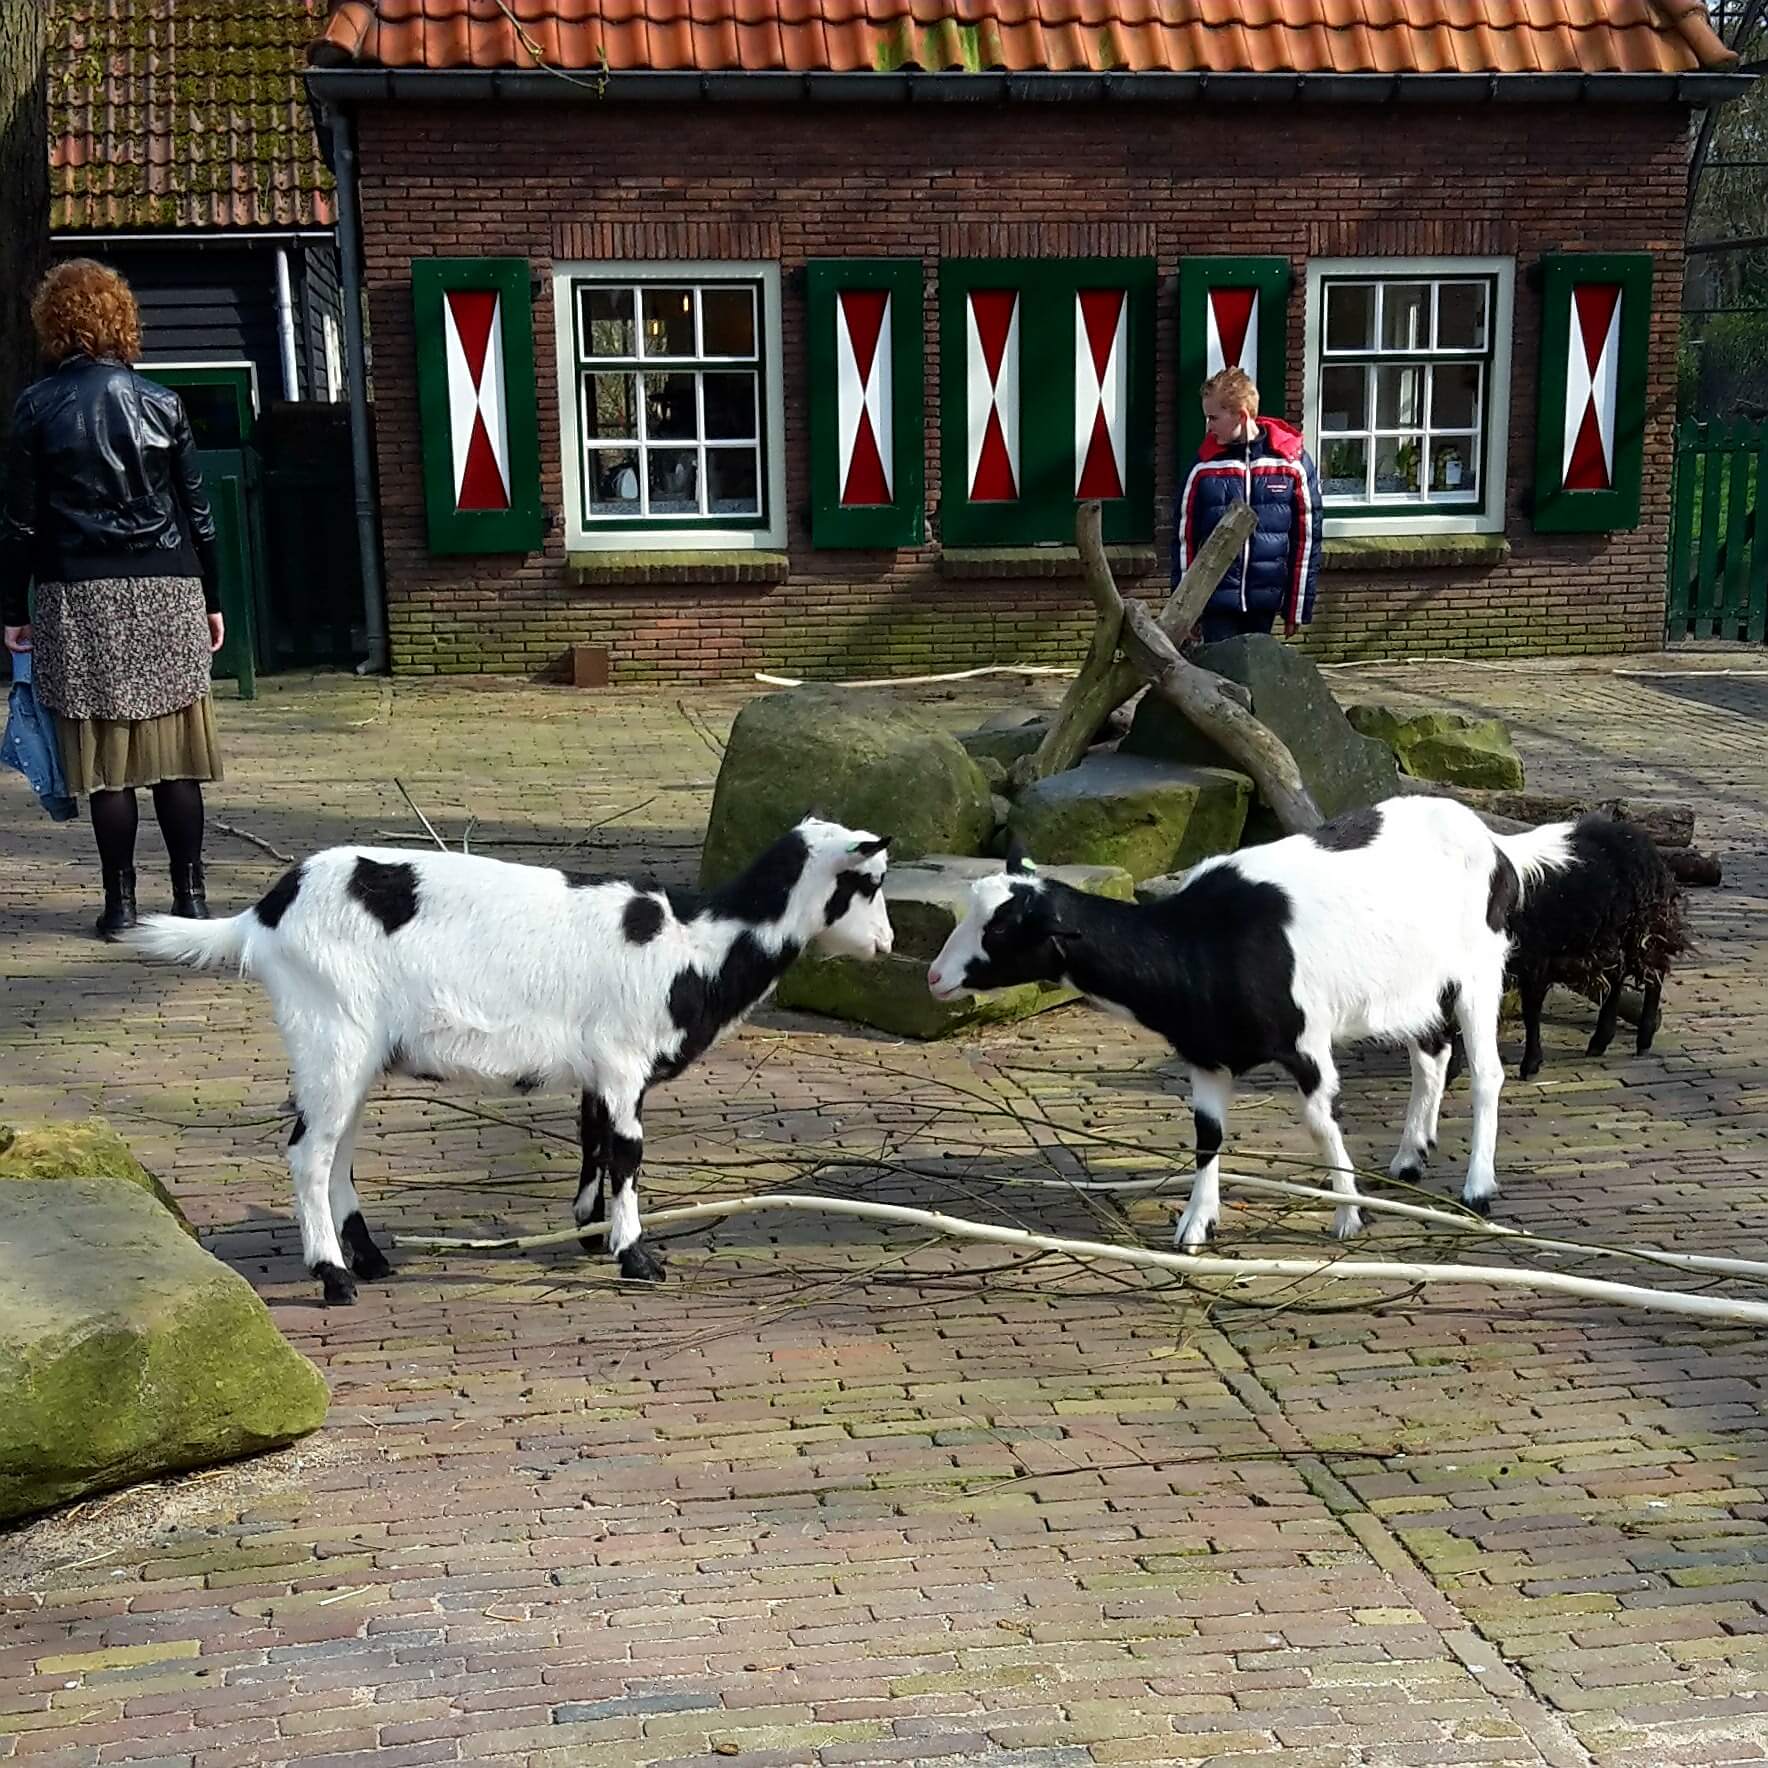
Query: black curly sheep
point(1612, 915)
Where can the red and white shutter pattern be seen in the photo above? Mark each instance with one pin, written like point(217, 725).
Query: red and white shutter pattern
point(1101, 392)
point(863, 409)
point(1231, 328)
point(1593, 349)
point(992, 388)
point(478, 415)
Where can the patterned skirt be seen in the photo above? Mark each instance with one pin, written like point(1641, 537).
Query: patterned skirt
point(124, 665)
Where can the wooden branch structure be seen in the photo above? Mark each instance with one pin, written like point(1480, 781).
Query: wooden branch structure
point(1130, 646)
point(1406, 1271)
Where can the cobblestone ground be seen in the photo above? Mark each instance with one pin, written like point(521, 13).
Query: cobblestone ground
point(835, 1496)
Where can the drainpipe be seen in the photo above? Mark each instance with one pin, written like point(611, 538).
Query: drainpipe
point(285, 326)
point(374, 614)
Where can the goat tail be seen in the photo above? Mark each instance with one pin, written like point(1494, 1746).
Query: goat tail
point(204, 945)
point(1535, 852)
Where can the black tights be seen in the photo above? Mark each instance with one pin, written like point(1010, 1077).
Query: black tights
point(178, 804)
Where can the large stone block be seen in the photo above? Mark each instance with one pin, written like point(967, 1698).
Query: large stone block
point(1447, 747)
point(126, 1351)
point(1143, 815)
point(85, 1150)
point(927, 899)
point(1341, 769)
point(863, 759)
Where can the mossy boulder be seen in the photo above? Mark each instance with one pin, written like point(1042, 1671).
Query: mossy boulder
point(126, 1351)
point(864, 759)
point(1006, 739)
point(1144, 816)
point(1447, 747)
point(926, 901)
point(1341, 768)
point(86, 1150)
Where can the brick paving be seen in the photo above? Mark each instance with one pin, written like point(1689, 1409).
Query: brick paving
point(836, 1496)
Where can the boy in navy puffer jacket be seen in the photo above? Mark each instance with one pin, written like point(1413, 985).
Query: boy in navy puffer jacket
point(1260, 461)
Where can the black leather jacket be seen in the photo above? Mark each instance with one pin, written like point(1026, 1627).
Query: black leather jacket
point(101, 482)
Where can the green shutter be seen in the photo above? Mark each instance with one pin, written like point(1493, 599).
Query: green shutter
point(479, 503)
point(858, 509)
point(1050, 335)
point(1265, 352)
point(1601, 490)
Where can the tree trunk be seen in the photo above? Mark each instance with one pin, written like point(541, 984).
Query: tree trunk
point(1106, 680)
point(24, 189)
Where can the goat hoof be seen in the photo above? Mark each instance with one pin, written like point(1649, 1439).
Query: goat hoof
point(639, 1264)
point(1347, 1224)
point(1481, 1206)
point(1531, 1066)
point(366, 1259)
point(1194, 1232)
point(1406, 1172)
point(340, 1286)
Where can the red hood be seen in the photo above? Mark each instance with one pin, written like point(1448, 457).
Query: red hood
point(1275, 436)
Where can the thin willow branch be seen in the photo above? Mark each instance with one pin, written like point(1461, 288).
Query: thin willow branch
point(1670, 1301)
point(428, 825)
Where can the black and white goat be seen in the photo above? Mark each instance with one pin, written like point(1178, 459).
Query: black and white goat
point(447, 966)
point(1609, 914)
point(1386, 924)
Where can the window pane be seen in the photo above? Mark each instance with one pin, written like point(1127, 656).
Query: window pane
point(1399, 398)
point(669, 408)
point(1344, 467)
point(613, 481)
point(1405, 315)
point(1454, 396)
point(1461, 316)
point(1454, 467)
point(1350, 315)
point(669, 322)
point(727, 319)
point(1344, 399)
point(733, 481)
point(730, 406)
point(1396, 466)
point(607, 322)
point(609, 408)
point(675, 481)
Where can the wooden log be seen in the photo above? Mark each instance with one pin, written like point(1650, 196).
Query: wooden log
point(1669, 825)
point(1200, 695)
point(1690, 866)
point(1106, 678)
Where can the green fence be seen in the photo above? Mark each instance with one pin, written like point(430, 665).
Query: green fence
point(1719, 534)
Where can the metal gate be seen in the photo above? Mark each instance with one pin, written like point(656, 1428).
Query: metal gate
point(1719, 533)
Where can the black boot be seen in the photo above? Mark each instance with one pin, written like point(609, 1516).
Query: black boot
point(188, 899)
point(119, 904)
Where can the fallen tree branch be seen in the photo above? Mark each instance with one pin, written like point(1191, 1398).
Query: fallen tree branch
point(1107, 679)
point(1198, 693)
point(1669, 1301)
point(1462, 1220)
point(257, 841)
point(428, 825)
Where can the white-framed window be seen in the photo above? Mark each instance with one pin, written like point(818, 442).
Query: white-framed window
point(672, 416)
point(1407, 402)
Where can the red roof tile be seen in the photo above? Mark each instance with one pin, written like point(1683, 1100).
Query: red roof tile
point(1178, 36)
point(174, 114)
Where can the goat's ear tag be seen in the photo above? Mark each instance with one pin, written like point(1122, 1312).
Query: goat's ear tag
point(1019, 862)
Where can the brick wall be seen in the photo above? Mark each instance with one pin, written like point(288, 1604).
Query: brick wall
point(817, 181)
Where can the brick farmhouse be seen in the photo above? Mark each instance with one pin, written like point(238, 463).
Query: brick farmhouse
point(786, 334)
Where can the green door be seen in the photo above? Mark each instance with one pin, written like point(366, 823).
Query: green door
point(220, 406)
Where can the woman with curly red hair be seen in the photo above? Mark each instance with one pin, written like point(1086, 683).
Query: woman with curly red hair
point(104, 507)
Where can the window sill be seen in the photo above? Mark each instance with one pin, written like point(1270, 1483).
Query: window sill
point(1412, 552)
point(641, 569)
point(1040, 561)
